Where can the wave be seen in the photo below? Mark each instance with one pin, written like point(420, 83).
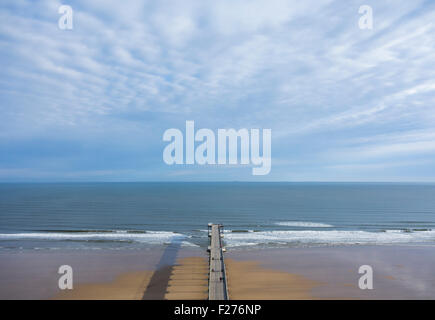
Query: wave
point(304, 224)
point(91, 231)
point(331, 237)
point(154, 237)
point(235, 238)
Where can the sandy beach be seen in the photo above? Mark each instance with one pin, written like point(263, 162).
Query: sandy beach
point(97, 274)
point(399, 272)
point(187, 281)
point(248, 280)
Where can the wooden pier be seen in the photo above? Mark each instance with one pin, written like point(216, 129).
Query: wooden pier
point(217, 279)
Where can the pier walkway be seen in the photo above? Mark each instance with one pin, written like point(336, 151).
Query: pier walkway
point(217, 280)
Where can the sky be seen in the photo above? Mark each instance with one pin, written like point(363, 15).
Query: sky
point(92, 103)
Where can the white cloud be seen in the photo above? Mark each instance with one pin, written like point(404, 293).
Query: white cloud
point(303, 68)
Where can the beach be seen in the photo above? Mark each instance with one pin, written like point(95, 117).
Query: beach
point(399, 272)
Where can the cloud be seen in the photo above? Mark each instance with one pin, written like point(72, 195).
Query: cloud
point(129, 70)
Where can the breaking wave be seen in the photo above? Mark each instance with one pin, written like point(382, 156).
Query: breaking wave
point(152, 237)
point(329, 237)
point(304, 224)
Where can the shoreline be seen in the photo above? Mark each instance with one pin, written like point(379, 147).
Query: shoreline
point(399, 272)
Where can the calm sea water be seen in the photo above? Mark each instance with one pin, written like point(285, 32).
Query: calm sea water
point(134, 215)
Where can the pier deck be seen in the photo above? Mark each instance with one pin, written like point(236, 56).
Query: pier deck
point(217, 283)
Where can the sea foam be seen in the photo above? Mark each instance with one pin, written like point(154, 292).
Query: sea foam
point(323, 237)
point(304, 224)
point(154, 237)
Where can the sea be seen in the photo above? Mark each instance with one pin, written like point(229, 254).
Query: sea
point(130, 216)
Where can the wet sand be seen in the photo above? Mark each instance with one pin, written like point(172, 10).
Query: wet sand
point(128, 286)
point(399, 272)
point(96, 274)
point(34, 274)
point(248, 280)
point(187, 280)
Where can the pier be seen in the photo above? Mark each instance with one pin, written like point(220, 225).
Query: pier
point(217, 279)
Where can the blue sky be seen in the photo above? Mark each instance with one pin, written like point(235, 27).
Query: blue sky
point(92, 103)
